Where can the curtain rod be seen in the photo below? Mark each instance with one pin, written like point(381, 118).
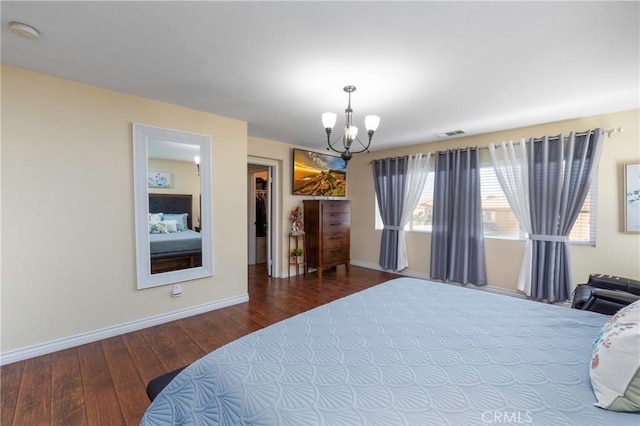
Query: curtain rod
point(607, 132)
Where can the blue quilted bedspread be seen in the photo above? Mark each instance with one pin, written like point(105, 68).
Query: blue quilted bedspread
point(175, 242)
point(407, 351)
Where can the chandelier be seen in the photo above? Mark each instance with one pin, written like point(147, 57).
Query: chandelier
point(350, 135)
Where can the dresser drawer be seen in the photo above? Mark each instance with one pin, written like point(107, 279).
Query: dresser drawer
point(331, 241)
point(334, 254)
point(335, 217)
point(335, 228)
point(335, 207)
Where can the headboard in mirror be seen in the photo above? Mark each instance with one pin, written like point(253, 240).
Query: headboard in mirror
point(173, 236)
point(179, 246)
point(172, 204)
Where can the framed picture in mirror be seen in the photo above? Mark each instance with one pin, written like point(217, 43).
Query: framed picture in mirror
point(632, 198)
point(159, 180)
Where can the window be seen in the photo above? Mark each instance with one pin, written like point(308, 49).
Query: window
point(421, 220)
point(499, 221)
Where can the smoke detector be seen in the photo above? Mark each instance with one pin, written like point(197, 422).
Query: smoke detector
point(24, 31)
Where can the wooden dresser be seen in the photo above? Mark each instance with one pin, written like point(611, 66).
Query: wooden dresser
point(326, 225)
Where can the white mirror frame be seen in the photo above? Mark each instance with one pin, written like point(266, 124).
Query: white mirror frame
point(142, 133)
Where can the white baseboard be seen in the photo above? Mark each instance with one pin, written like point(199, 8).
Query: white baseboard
point(116, 330)
point(295, 273)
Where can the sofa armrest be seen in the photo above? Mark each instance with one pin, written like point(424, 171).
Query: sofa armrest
point(609, 302)
point(613, 282)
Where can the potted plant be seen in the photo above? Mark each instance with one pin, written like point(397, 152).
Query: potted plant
point(297, 252)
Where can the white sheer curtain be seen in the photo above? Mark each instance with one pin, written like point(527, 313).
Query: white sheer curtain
point(511, 165)
point(418, 167)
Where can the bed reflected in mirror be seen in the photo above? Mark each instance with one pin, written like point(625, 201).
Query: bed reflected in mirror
point(171, 178)
point(174, 242)
point(174, 211)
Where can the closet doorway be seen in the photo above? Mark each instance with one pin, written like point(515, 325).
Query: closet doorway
point(262, 204)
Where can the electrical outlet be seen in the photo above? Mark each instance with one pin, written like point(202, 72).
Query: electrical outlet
point(177, 290)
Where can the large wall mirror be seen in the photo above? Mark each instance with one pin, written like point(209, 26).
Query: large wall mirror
point(172, 188)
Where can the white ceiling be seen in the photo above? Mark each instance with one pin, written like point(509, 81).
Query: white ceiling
point(170, 150)
point(423, 67)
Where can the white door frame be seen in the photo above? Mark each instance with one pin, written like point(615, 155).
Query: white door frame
point(273, 264)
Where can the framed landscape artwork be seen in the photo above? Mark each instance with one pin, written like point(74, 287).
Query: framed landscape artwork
point(318, 174)
point(632, 197)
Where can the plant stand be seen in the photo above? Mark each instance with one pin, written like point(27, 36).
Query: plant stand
point(297, 240)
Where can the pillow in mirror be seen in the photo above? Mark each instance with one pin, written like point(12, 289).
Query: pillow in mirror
point(181, 218)
point(172, 225)
point(155, 217)
point(158, 228)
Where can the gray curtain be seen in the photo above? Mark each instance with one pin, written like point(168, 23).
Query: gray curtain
point(457, 241)
point(560, 174)
point(389, 175)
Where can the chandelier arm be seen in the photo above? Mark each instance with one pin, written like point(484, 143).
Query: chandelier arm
point(364, 147)
point(331, 145)
point(350, 149)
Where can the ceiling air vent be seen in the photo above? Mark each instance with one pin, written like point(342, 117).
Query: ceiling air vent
point(449, 134)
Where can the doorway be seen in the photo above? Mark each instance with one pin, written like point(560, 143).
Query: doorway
point(258, 253)
point(262, 205)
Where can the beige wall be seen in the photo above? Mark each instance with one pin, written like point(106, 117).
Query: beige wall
point(615, 252)
point(68, 246)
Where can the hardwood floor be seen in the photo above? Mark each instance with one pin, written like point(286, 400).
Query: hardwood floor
point(103, 383)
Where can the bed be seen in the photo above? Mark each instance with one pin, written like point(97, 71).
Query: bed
point(407, 351)
point(174, 250)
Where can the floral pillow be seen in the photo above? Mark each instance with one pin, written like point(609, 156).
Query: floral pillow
point(615, 361)
point(158, 228)
point(155, 217)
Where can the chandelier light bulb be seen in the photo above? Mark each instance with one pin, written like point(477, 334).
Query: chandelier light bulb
point(329, 120)
point(371, 123)
point(351, 133)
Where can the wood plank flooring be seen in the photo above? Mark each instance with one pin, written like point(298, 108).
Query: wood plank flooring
point(103, 383)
